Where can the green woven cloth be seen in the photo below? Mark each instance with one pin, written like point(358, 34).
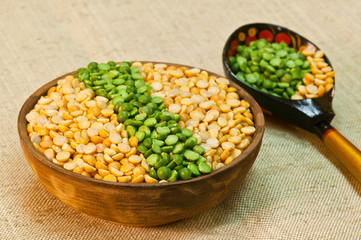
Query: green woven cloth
point(295, 190)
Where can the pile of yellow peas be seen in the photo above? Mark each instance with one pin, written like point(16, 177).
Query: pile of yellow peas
point(77, 130)
point(319, 81)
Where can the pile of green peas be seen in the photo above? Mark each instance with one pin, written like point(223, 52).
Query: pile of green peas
point(274, 68)
point(172, 153)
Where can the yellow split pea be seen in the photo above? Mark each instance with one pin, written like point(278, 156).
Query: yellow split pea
point(319, 81)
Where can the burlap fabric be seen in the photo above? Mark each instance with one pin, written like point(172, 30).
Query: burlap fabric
point(295, 190)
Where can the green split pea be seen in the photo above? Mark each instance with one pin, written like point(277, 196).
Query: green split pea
point(172, 153)
point(273, 68)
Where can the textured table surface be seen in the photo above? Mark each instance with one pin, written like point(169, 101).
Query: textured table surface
point(295, 190)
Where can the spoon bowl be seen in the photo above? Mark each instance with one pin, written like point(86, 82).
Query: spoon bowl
point(314, 115)
point(303, 113)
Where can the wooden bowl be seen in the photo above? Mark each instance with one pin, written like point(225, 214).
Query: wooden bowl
point(140, 204)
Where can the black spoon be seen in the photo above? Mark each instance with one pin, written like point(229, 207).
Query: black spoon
point(314, 115)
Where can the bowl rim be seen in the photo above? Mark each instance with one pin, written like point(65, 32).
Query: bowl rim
point(230, 38)
point(41, 91)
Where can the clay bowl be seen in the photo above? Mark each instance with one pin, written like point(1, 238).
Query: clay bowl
point(140, 204)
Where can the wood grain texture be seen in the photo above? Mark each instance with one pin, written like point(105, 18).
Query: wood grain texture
point(141, 204)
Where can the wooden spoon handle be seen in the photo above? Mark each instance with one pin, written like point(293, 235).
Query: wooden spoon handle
point(344, 150)
point(347, 153)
